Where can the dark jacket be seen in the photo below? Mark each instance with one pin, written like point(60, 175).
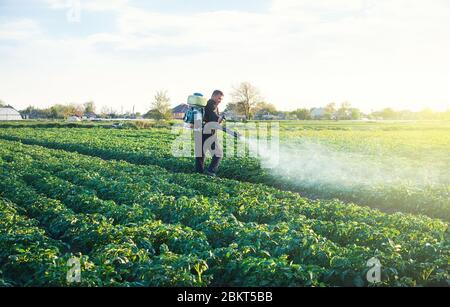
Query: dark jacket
point(211, 113)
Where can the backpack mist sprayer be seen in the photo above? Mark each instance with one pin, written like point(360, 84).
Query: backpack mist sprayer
point(194, 117)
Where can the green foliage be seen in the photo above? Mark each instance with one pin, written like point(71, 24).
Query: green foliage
point(160, 108)
point(302, 114)
point(89, 107)
point(418, 144)
point(113, 201)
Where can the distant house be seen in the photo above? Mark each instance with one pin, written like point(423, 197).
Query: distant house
point(230, 115)
point(269, 116)
point(9, 113)
point(264, 115)
point(179, 111)
point(318, 113)
point(73, 119)
point(90, 116)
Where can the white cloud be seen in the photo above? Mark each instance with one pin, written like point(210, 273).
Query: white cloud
point(90, 5)
point(19, 29)
point(105, 5)
point(316, 7)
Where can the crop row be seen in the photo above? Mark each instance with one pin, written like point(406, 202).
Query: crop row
point(282, 237)
point(27, 254)
point(154, 148)
point(265, 210)
point(120, 254)
point(174, 269)
point(234, 251)
point(282, 203)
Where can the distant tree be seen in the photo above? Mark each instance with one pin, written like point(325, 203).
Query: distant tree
point(109, 112)
point(302, 114)
point(427, 114)
point(57, 111)
point(2, 103)
point(63, 111)
point(283, 115)
point(355, 114)
point(153, 114)
point(35, 113)
point(160, 108)
point(246, 96)
point(235, 108)
point(388, 113)
point(75, 109)
point(446, 115)
point(264, 108)
point(113, 113)
point(344, 111)
point(89, 107)
point(26, 113)
point(330, 110)
point(105, 112)
point(405, 115)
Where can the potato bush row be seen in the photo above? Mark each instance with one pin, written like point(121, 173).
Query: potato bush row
point(268, 227)
point(154, 148)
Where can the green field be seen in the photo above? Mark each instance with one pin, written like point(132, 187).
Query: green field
point(135, 215)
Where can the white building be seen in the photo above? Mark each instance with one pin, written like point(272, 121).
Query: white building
point(73, 119)
point(9, 113)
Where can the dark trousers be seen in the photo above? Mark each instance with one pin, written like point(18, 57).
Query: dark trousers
point(216, 159)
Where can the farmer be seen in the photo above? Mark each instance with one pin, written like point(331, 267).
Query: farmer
point(209, 140)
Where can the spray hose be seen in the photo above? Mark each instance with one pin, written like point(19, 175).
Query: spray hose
point(234, 134)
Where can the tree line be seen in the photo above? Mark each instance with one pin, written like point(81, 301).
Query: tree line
point(160, 109)
point(247, 103)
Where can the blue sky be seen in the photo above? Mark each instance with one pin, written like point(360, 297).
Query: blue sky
point(56, 24)
point(53, 21)
point(299, 53)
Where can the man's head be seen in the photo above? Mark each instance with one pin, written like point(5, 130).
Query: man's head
point(217, 96)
